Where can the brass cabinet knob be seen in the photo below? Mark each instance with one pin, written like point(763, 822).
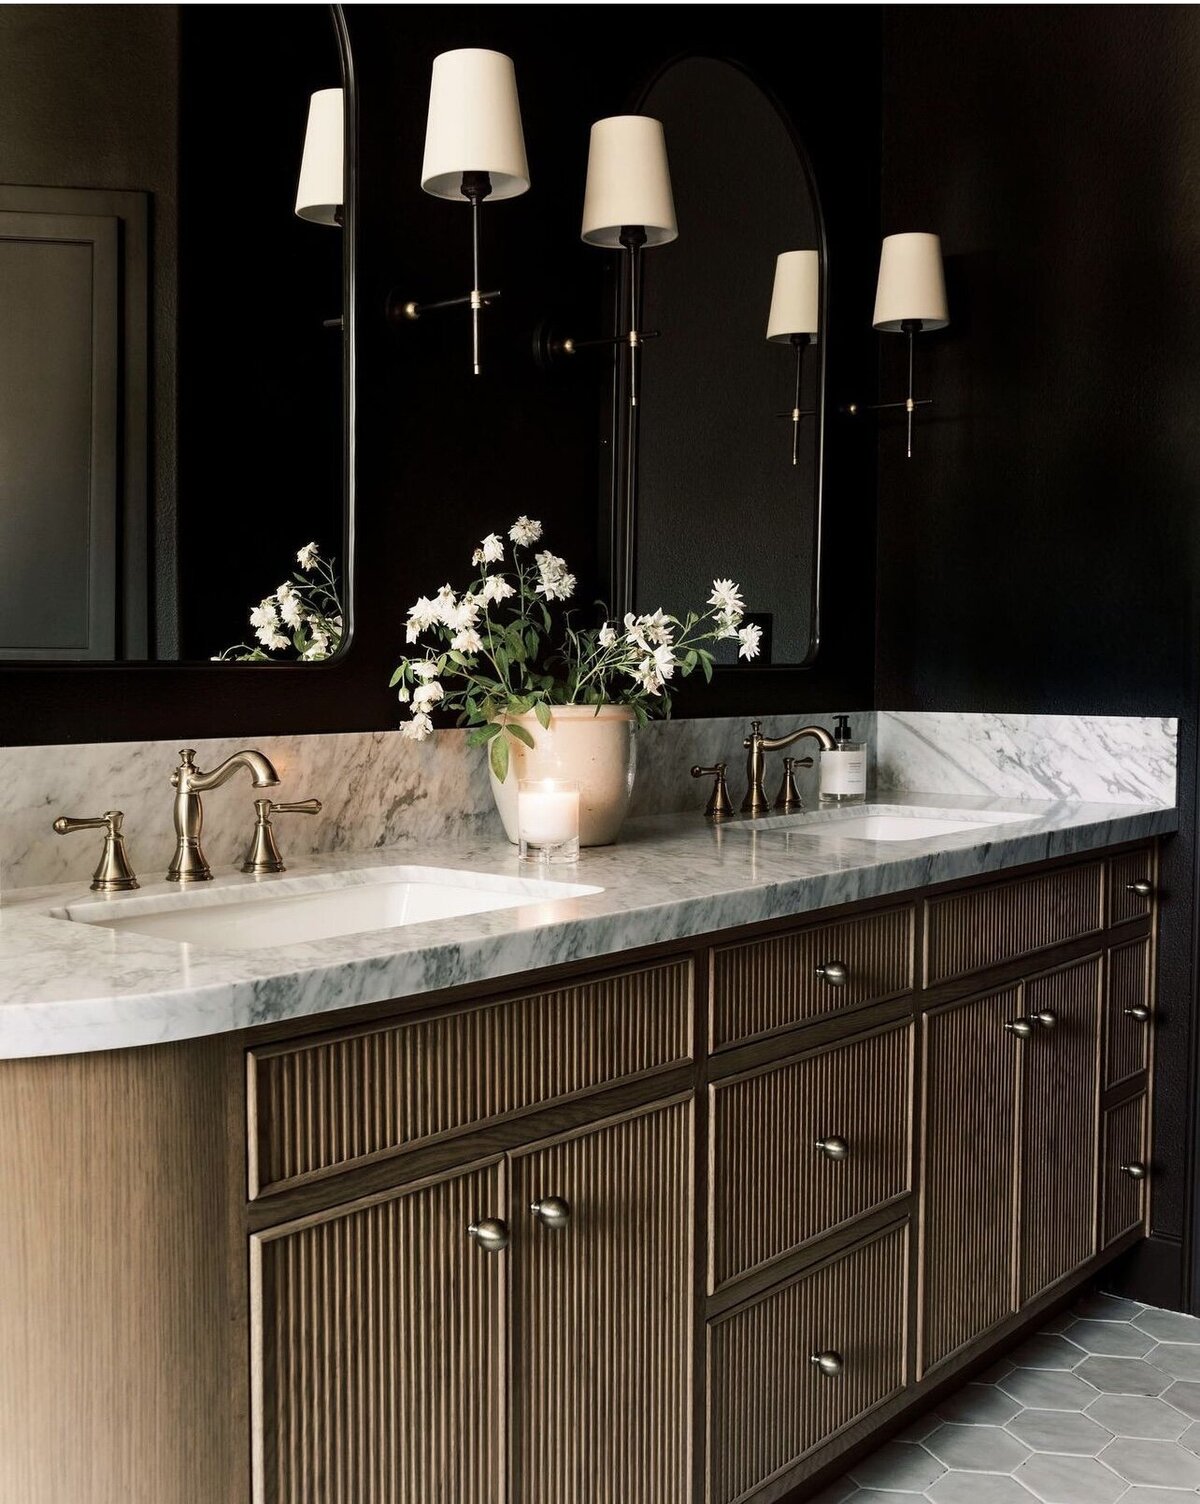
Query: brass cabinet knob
point(1023, 1028)
point(1139, 1013)
point(1143, 887)
point(551, 1211)
point(1046, 1019)
point(829, 1362)
point(490, 1233)
point(1136, 1170)
point(834, 972)
point(833, 1147)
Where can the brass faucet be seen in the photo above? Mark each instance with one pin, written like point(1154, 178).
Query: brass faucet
point(188, 864)
point(756, 744)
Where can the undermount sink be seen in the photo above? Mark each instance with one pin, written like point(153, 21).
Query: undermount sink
point(882, 822)
point(289, 911)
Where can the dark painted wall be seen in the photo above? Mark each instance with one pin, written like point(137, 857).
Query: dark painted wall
point(1039, 552)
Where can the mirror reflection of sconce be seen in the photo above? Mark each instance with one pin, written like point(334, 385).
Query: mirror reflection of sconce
point(474, 149)
point(795, 320)
point(909, 299)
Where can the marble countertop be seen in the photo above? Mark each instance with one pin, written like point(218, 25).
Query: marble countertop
point(69, 987)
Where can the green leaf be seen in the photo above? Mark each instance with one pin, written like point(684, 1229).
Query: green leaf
point(706, 664)
point(482, 734)
point(542, 711)
point(396, 677)
point(498, 756)
point(517, 705)
point(520, 734)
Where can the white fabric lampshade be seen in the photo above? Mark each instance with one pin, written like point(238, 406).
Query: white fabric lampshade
point(474, 124)
point(796, 299)
point(319, 193)
point(628, 182)
point(912, 284)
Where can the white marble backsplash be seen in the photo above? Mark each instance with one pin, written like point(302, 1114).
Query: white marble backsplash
point(377, 790)
point(1112, 759)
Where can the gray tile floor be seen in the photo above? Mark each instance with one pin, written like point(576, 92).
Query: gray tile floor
point(1102, 1407)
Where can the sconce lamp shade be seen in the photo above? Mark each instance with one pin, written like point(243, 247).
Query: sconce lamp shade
point(474, 125)
point(628, 182)
point(796, 300)
point(319, 193)
point(912, 284)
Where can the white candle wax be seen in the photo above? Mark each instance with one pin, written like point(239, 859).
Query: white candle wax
point(547, 814)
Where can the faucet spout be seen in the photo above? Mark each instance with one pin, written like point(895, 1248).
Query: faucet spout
point(189, 864)
point(756, 744)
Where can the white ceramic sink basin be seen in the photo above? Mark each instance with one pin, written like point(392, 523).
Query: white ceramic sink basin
point(884, 822)
point(288, 911)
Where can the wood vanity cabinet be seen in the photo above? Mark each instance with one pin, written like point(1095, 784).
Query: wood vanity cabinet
point(739, 1203)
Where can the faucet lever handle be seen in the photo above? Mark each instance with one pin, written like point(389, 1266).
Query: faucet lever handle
point(719, 805)
point(113, 874)
point(264, 855)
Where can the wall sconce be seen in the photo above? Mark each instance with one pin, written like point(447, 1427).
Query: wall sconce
point(319, 192)
point(910, 299)
point(474, 149)
point(795, 319)
point(628, 204)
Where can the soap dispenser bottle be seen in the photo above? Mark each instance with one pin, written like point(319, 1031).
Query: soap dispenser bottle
point(844, 768)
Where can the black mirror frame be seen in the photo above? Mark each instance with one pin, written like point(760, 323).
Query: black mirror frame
point(40, 704)
point(618, 531)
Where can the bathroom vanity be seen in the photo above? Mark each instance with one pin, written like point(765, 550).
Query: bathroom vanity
point(670, 1192)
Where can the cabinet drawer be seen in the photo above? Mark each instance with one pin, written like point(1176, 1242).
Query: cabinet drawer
point(1124, 903)
point(762, 986)
point(1124, 1196)
point(1128, 1017)
point(982, 927)
point(769, 1405)
point(772, 1189)
point(324, 1103)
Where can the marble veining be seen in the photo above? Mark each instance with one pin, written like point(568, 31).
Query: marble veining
point(68, 987)
point(1111, 759)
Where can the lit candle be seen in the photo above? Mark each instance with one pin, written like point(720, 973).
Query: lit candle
point(548, 818)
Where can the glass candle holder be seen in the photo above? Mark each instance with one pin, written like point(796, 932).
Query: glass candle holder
point(548, 819)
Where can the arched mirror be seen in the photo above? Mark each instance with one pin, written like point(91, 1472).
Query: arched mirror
point(728, 476)
point(174, 340)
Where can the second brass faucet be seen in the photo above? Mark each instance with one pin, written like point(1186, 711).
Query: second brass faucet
point(189, 864)
point(756, 744)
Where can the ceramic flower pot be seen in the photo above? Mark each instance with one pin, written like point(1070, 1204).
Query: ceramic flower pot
point(591, 743)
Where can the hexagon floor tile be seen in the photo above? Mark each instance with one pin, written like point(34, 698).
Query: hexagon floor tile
point(1102, 1407)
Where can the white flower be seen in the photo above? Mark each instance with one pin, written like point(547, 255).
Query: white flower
point(465, 613)
point(291, 608)
point(467, 640)
point(749, 637)
point(608, 635)
point(421, 617)
point(646, 677)
point(556, 584)
point(490, 551)
point(635, 631)
point(426, 695)
point(496, 588)
point(403, 694)
point(308, 556)
point(727, 625)
point(283, 592)
point(664, 661)
point(525, 531)
point(418, 728)
point(657, 627)
point(727, 597)
point(444, 603)
point(263, 616)
point(272, 640)
point(425, 670)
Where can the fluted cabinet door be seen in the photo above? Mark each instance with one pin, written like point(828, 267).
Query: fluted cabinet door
point(379, 1351)
point(1062, 1124)
point(969, 1172)
point(601, 1388)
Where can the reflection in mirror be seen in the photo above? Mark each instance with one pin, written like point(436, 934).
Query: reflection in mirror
point(171, 347)
point(719, 478)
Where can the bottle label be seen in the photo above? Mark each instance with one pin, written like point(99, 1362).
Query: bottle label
point(844, 772)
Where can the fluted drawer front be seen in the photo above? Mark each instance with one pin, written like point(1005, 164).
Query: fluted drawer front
point(763, 986)
point(323, 1104)
point(981, 927)
point(1125, 1151)
point(769, 1405)
point(602, 1315)
point(1129, 1017)
point(772, 1187)
point(378, 1342)
point(1128, 876)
